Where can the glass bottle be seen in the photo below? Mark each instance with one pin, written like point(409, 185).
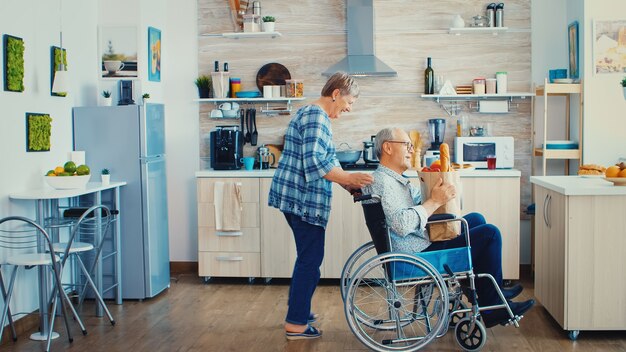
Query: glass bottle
point(429, 79)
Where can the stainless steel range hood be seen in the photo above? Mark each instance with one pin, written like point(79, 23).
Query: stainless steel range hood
point(361, 60)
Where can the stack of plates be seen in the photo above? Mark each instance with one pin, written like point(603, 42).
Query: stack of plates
point(561, 145)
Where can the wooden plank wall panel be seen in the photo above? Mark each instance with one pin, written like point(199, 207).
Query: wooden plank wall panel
point(406, 34)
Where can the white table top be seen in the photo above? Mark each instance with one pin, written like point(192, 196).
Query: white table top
point(51, 193)
point(270, 173)
point(579, 185)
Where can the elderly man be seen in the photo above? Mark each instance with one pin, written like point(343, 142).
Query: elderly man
point(407, 216)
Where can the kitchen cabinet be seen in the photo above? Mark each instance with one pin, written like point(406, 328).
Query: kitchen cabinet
point(223, 253)
point(579, 254)
point(267, 235)
point(563, 90)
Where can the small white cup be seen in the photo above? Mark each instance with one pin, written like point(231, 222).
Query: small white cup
point(229, 113)
point(216, 113)
point(267, 91)
point(275, 91)
point(234, 106)
point(224, 106)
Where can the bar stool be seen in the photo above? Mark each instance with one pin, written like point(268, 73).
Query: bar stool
point(92, 225)
point(26, 244)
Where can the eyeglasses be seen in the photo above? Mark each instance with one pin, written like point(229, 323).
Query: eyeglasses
point(409, 146)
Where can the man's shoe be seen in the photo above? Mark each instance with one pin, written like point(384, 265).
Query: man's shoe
point(501, 316)
point(511, 292)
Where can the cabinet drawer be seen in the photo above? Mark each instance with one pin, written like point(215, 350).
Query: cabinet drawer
point(236, 264)
point(246, 240)
point(249, 215)
point(249, 189)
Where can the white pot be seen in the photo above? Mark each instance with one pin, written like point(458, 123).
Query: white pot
point(106, 179)
point(624, 91)
point(268, 26)
point(106, 101)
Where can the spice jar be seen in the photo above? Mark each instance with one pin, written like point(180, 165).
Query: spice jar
point(491, 85)
point(479, 86)
point(294, 88)
point(251, 23)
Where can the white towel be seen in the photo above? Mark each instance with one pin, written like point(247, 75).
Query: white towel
point(228, 206)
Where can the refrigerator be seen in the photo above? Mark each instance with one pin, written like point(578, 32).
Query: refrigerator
point(130, 141)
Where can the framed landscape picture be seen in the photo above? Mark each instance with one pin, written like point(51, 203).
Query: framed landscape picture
point(55, 59)
point(118, 52)
point(154, 54)
point(572, 40)
point(609, 47)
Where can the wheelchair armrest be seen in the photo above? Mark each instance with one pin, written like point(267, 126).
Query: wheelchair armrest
point(439, 217)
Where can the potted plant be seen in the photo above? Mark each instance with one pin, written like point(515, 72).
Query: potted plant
point(624, 87)
point(145, 97)
point(107, 100)
point(204, 86)
point(105, 176)
point(268, 23)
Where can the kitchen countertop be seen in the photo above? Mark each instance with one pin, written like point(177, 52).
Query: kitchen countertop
point(579, 185)
point(270, 173)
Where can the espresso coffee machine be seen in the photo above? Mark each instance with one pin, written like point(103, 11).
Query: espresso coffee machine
point(436, 129)
point(226, 147)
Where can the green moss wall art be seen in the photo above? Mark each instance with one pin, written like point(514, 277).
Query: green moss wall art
point(13, 63)
point(55, 60)
point(38, 132)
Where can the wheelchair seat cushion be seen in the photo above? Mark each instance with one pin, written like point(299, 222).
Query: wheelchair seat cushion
point(458, 259)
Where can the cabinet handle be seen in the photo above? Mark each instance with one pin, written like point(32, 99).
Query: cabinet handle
point(549, 212)
point(229, 259)
point(228, 233)
point(545, 205)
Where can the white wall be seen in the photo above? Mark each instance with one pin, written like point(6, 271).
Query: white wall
point(38, 23)
point(605, 107)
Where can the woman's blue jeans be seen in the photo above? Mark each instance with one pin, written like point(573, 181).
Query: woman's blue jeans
point(306, 272)
point(486, 243)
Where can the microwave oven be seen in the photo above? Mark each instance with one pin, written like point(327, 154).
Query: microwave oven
point(474, 151)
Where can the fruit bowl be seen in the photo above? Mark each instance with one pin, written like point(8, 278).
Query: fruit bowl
point(617, 181)
point(67, 182)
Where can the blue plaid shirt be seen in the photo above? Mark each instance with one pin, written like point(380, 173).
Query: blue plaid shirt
point(298, 186)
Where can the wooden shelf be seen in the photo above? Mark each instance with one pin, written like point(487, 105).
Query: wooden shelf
point(558, 88)
point(558, 153)
point(478, 30)
point(237, 35)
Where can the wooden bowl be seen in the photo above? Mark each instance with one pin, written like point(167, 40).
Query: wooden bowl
point(617, 181)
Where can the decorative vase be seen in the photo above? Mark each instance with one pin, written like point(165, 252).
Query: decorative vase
point(268, 26)
point(106, 179)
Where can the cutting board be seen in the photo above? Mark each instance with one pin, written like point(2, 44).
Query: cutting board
point(272, 74)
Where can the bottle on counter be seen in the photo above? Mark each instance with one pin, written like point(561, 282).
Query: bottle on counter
point(429, 79)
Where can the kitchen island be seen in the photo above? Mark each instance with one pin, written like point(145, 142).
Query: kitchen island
point(579, 251)
point(265, 247)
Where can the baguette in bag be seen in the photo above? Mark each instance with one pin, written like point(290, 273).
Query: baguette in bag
point(447, 231)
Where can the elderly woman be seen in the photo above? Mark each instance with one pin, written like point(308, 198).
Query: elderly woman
point(302, 190)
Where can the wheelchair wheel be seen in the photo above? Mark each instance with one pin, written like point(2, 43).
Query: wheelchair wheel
point(357, 258)
point(404, 314)
point(468, 337)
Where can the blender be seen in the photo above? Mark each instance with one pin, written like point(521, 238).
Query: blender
point(436, 129)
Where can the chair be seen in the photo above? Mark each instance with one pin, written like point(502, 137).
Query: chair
point(28, 245)
point(91, 228)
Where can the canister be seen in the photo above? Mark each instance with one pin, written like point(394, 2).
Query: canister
point(491, 85)
point(294, 88)
point(235, 86)
point(251, 23)
point(501, 82)
point(479, 85)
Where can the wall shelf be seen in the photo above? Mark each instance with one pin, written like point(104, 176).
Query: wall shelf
point(267, 109)
point(452, 104)
point(238, 35)
point(478, 30)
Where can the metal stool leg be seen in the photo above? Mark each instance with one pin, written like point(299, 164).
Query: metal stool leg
point(9, 315)
point(93, 286)
point(7, 301)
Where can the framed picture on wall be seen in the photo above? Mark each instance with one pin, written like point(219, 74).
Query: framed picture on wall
point(609, 47)
point(572, 40)
point(118, 52)
point(154, 54)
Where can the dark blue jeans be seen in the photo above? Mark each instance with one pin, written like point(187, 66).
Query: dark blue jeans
point(486, 243)
point(306, 272)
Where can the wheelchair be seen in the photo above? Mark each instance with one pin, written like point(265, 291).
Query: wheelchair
point(395, 301)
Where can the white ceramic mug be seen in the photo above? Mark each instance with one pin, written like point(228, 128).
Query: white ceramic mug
point(267, 91)
point(216, 113)
point(275, 91)
point(113, 66)
point(225, 106)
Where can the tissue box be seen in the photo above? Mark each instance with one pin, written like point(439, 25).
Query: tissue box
point(493, 106)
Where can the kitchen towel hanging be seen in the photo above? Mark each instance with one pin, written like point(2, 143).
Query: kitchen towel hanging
point(228, 203)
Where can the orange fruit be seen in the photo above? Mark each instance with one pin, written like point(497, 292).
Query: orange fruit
point(59, 169)
point(622, 173)
point(436, 162)
point(612, 171)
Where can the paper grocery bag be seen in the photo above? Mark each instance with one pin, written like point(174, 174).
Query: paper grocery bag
point(428, 180)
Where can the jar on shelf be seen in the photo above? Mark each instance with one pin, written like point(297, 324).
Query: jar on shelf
point(235, 86)
point(491, 85)
point(251, 23)
point(479, 85)
point(501, 78)
point(294, 88)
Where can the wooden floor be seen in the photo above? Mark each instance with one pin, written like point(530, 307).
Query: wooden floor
point(232, 315)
